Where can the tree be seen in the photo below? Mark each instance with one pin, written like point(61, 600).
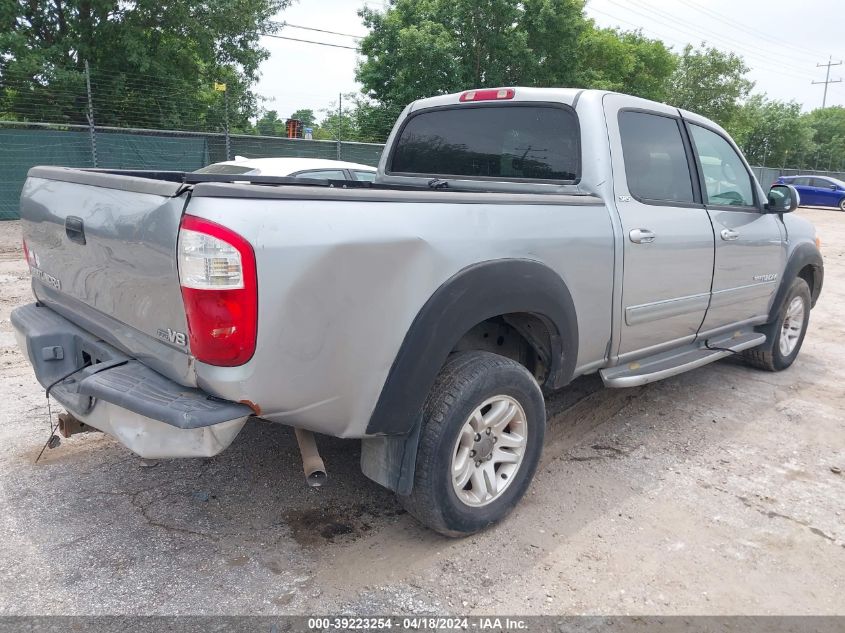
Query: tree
point(709, 82)
point(153, 63)
point(270, 124)
point(306, 115)
point(771, 132)
point(373, 121)
point(625, 62)
point(338, 123)
point(828, 129)
point(420, 48)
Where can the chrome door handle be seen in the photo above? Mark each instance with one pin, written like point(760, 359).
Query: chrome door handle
point(641, 236)
point(729, 235)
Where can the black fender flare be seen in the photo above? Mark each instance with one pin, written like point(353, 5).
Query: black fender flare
point(805, 254)
point(472, 295)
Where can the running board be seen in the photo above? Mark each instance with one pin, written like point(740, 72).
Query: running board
point(679, 360)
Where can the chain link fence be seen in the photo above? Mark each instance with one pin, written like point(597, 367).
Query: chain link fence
point(88, 117)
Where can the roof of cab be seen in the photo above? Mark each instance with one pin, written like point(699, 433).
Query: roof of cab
point(556, 95)
point(568, 96)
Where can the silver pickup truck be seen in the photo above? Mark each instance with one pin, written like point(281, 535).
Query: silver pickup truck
point(514, 239)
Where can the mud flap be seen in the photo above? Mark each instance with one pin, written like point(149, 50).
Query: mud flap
point(390, 460)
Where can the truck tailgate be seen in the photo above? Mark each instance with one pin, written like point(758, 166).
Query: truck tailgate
point(102, 249)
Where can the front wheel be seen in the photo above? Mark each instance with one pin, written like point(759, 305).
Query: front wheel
point(480, 443)
point(785, 335)
point(842, 204)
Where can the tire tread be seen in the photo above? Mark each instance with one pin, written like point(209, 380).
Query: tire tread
point(456, 376)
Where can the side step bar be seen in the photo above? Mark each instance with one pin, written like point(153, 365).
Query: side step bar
point(677, 361)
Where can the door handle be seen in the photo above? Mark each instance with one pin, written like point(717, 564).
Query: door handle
point(641, 236)
point(75, 229)
point(729, 235)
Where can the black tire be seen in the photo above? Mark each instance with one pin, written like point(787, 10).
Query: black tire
point(464, 383)
point(769, 356)
point(842, 204)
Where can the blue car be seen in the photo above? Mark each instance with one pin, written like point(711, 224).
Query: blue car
point(818, 191)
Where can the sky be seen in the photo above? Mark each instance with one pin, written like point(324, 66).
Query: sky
point(780, 41)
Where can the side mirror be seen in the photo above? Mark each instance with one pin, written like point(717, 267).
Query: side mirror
point(783, 199)
point(834, 188)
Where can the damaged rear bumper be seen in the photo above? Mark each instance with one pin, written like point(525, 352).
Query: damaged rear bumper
point(145, 411)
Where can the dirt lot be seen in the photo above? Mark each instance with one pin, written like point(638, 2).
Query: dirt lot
point(714, 492)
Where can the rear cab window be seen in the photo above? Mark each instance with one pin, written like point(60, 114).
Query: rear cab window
point(507, 142)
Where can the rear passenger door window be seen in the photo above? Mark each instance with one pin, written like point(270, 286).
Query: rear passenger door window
point(726, 180)
point(656, 164)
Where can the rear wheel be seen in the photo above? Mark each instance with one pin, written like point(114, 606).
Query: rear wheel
point(481, 439)
point(785, 335)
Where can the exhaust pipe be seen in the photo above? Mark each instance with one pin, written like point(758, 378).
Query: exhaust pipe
point(312, 463)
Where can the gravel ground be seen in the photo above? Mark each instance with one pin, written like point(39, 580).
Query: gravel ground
point(716, 492)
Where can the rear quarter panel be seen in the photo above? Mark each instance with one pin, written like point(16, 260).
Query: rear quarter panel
point(341, 281)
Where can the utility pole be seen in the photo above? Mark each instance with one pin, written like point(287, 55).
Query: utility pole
point(339, 121)
point(226, 123)
point(90, 115)
point(827, 79)
point(219, 87)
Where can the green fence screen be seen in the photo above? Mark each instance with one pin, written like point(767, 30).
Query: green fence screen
point(22, 148)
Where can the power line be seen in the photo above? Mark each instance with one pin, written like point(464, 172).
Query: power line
point(827, 79)
point(296, 39)
point(691, 31)
point(311, 28)
point(728, 21)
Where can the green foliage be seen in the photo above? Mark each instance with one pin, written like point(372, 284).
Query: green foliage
point(828, 129)
point(771, 132)
point(709, 82)
point(270, 124)
point(153, 62)
point(625, 61)
point(338, 121)
point(420, 48)
point(306, 115)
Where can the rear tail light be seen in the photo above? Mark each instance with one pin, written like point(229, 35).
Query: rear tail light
point(26, 252)
point(493, 94)
point(220, 292)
